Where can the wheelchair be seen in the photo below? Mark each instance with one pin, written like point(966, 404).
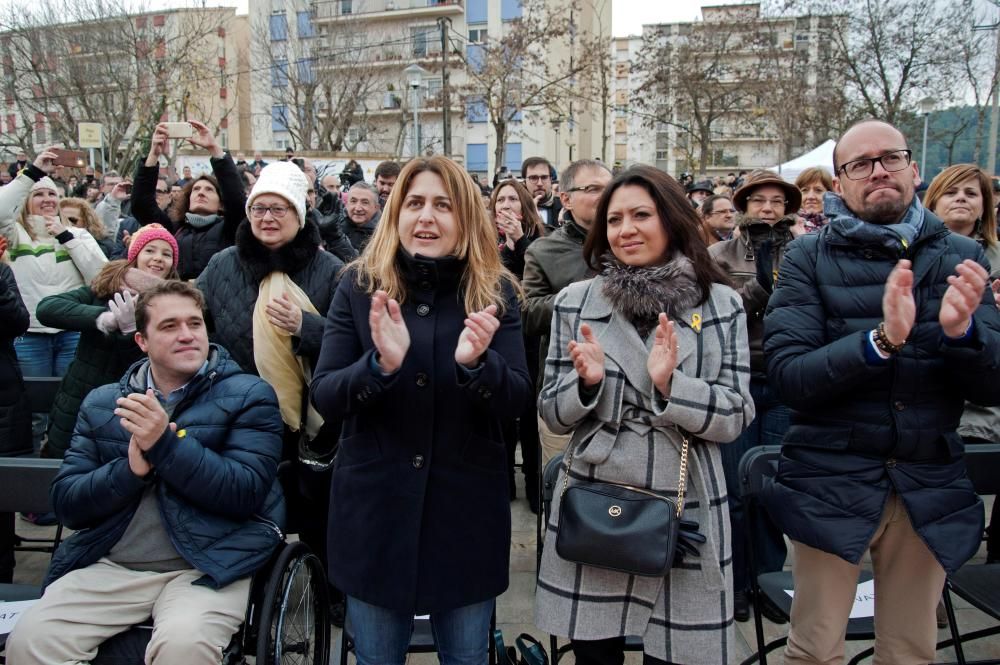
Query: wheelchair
point(287, 620)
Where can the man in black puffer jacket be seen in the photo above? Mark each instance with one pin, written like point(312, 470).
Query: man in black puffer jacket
point(171, 485)
point(879, 328)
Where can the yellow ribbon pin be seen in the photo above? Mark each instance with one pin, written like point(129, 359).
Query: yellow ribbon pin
point(181, 433)
point(696, 322)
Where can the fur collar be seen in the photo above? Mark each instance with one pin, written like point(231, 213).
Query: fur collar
point(640, 294)
point(289, 259)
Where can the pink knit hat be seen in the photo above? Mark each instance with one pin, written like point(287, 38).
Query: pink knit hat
point(147, 234)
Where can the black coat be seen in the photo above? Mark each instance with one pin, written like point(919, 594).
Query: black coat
point(196, 246)
point(231, 283)
point(860, 428)
point(15, 421)
point(359, 236)
point(99, 359)
point(419, 509)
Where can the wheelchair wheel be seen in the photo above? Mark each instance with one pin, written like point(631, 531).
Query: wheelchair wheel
point(295, 617)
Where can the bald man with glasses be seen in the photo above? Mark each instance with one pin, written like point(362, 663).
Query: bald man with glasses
point(881, 325)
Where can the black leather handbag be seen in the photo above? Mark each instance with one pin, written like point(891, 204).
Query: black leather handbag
point(624, 528)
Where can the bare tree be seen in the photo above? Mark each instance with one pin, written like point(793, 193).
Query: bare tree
point(892, 52)
point(702, 78)
point(106, 62)
point(326, 84)
point(516, 73)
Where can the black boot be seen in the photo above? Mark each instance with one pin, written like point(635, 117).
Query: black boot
point(531, 491)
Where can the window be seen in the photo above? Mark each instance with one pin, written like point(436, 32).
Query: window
point(475, 110)
point(140, 22)
point(40, 128)
point(510, 10)
point(305, 71)
point(421, 37)
point(279, 74)
point(159, 20)
point(476, 11)
point(346, 7)
point(514, 157)
point(476, 158)
point(279, 28)
point(304, 24)
point(478, 34)
point(476, 56)
point(279, 118)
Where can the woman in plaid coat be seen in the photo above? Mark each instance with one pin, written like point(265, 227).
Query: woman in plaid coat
point(655, 345)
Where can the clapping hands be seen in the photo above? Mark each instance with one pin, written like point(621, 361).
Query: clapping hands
point(476, 337)
point(587, 357)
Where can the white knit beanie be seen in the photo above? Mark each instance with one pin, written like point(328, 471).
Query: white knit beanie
point(45, 183)
point(287, 181)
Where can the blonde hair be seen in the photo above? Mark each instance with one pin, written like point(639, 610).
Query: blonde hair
point(484, 276)
point(23, 215)
point(91, 221)
point(959, 173)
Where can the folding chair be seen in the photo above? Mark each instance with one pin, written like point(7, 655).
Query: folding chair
point(757, 465)
point(24, 487)
point(976, 583)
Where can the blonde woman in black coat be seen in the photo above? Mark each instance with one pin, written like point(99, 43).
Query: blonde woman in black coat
point(423, 359)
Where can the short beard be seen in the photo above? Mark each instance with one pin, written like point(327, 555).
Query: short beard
point(886, 212)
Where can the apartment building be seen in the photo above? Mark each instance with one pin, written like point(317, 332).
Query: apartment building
point(778, 61)
point(331, 78)
point(126, 73)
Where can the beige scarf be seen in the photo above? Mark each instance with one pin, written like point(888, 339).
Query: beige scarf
point(287, 373)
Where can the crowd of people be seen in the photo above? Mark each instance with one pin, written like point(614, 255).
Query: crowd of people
point(396, 342)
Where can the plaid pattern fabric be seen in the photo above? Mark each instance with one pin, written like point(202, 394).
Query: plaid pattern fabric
point(627, 434)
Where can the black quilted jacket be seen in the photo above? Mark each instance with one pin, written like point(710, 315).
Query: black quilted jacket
point(15, 422)
point(232, 280)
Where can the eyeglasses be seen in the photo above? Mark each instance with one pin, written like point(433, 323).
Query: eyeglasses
point(761, 200)
point(163, 191)
point(588, 189)
point(276, 211)
point(538, 178)
point(859, 169)
point(729, 211)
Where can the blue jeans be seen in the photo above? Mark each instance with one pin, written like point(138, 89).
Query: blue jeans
point(767, 429)
point(381, 636)
point(45, 354)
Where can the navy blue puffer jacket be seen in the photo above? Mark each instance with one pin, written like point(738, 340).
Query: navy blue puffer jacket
point(860, 430)
point(216, 476)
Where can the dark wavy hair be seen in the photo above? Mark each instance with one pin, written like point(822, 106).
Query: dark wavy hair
point(179, 213)
point(679, 220)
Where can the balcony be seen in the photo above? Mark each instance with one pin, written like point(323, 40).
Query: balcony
point(386, 59)
point(336, 11)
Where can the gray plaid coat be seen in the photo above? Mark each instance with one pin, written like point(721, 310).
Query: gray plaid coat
point(627, 434)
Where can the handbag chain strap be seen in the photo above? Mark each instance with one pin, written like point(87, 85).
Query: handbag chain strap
point(681, 482)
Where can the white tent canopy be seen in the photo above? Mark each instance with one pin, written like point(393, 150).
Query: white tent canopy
point(821, 156)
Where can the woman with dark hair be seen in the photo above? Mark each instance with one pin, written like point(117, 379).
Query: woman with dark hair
point(519, 224)
point(207, 213)
point(423, 360)
point(103, 312)
point(650, 353)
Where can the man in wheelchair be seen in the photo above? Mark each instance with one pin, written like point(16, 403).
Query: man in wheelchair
point(170, 483)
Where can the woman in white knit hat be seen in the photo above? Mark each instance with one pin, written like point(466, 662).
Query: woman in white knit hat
point(47, 258)
point(267, 299)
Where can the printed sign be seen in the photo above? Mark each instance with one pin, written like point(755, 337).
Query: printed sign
point(11, 612)
point(864, 600)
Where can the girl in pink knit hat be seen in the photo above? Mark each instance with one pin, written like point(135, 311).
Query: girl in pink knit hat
point(104, 313)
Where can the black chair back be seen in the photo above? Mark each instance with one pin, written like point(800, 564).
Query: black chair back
point(25, 482)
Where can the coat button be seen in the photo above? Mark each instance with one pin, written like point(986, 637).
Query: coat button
point(426, 285)
point(418, 461)
point(423, 310)
point(890, 463)
point(868, 254)
point(485, 393)
point(422, 379)
point(899, 406)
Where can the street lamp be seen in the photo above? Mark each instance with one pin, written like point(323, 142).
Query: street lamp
point(927, 105)
point(415, 76)
point(556, 126)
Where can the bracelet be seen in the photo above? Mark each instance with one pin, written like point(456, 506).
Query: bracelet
point(883, 343)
